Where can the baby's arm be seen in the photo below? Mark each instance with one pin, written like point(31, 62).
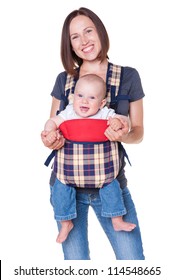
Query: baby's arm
point(51, 136)
point(115, 132)
point(53, 123)
point(117, 122)
point(51, 129)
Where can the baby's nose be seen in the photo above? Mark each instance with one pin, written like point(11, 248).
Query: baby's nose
point(84, 100)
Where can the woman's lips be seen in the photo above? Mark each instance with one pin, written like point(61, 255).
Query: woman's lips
point(88, 49)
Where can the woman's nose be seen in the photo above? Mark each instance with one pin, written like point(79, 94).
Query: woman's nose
point(84, 40)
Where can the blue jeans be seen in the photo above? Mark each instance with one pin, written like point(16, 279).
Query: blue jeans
point(112, 200)
point(126, 245)
point(63, 200)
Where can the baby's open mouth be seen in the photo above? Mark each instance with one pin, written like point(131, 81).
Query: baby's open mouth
point(84, 109)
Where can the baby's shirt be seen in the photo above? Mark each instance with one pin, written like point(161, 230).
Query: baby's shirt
point(69, 113)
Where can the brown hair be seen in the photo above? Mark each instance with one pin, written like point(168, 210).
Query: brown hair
point(69, 59)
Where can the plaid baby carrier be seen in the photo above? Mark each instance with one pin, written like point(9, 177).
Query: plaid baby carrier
point(93, 163)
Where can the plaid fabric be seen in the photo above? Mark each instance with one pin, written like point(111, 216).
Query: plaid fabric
point(112, 88)
point(87, 165)
point(113, 82)
point(69, 88)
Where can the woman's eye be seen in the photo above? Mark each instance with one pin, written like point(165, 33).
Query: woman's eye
point(89, 30)
point(74, 37)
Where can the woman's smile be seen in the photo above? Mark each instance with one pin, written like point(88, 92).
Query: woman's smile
point(88, 49)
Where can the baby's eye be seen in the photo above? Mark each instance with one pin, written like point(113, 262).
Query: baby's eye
point(79, 95)
point(92, 97)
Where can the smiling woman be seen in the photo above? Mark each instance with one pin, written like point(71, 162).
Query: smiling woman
point(84, 50)
point(86, 42)
point(83, 39)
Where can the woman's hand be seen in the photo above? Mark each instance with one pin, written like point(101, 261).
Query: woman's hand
point(57, 144)
point(114, 134)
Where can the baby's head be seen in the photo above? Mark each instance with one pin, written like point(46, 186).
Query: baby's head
point(89, 95)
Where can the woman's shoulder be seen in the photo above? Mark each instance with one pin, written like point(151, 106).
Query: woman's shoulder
point(59, 85)
point(130, 72)
point(131, 83)
point(61, 77)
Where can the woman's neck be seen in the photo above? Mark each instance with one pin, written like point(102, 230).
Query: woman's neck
point(94, 67)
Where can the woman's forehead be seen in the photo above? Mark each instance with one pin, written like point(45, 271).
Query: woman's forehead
point(80, 22)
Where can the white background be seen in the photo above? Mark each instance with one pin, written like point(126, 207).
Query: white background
point(141, 36)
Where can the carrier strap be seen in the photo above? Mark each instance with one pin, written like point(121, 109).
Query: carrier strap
point(50, 157)
point(113, 81)
point(121, 147)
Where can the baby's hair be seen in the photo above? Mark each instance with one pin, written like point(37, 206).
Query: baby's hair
point(95, 78)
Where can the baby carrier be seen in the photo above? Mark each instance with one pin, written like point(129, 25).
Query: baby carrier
point(88, 159)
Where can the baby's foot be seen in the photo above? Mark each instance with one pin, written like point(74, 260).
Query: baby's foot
point(119, 224)
point(66, 227)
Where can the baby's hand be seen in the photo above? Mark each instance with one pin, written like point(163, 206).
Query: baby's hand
point(115, 123)
point(51, 136)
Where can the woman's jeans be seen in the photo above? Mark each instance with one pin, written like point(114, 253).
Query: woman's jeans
point(126, 245)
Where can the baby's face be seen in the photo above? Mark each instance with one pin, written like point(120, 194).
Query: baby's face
point(88, 98)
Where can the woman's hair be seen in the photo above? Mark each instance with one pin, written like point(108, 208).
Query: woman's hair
point(69, 59)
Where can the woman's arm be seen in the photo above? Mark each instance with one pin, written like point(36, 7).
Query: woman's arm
point(54, 107)
point(134, 134)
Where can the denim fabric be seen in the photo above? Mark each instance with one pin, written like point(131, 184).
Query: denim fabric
point(63, 200)
point(112, 200)
point(126, 245)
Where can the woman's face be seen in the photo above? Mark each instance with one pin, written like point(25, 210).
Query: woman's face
point(84, 38)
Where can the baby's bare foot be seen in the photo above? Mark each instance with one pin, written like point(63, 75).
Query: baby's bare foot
point(66, 227)
point(119, 224)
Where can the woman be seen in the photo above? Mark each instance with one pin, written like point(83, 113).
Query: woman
point(84, 50)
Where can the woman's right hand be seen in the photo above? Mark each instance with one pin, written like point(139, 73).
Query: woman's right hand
point(57, 144)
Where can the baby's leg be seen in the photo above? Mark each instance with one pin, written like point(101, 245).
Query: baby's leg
point(119, 224)
point(66, 227)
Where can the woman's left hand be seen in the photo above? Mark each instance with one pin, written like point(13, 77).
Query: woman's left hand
point(113, 135)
